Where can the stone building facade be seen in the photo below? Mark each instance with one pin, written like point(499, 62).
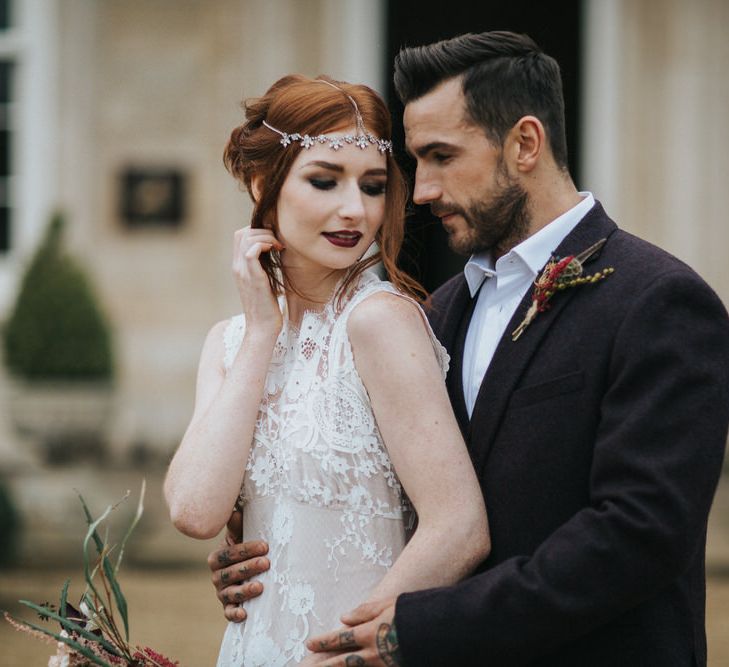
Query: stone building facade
point(105, 88)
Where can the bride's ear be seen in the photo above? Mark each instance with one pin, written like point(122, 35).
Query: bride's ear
point(256, 187)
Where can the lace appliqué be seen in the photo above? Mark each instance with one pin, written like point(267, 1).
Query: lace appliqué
point(320, 477)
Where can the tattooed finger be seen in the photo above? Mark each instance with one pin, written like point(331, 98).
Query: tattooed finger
point(346, 639)
point(337, 642)
point(388, 648)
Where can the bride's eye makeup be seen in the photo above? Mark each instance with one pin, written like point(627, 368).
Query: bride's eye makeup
point(373, 189)
point(323, 183)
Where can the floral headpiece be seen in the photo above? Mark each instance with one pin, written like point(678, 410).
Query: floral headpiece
point(362, 139)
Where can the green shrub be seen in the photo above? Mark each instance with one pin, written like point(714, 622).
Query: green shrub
point(56, 330)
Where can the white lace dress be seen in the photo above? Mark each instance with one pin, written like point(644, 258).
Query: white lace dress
point(318, 487)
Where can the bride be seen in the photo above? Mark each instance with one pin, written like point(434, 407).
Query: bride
point(321, 410)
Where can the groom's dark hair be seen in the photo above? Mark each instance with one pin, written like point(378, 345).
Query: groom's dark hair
point(505, 76)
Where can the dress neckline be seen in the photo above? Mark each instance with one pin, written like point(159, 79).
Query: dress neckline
point(326, 312)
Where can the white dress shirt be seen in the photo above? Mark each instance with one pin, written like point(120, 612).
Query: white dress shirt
point(505, 285)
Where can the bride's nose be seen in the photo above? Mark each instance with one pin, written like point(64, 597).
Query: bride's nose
point(352, 204)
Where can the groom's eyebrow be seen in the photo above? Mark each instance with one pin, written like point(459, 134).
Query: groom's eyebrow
point(422, 151)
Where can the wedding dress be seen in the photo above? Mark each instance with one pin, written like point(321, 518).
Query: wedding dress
point(318, 487)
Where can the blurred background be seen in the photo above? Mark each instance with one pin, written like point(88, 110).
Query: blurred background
point(116, 222)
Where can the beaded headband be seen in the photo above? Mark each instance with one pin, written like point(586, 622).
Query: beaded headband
point(362, 139)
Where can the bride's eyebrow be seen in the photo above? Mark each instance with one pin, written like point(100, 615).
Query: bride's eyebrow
point(331, 166)
point(324, 165)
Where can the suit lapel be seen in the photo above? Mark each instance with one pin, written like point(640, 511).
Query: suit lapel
point(513, 357)
point(455, 378)
point(445, 319)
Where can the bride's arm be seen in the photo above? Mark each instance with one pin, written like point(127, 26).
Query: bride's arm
point(204, 477)
point(395, 359)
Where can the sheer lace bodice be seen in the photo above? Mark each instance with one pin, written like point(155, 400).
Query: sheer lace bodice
point(318, 486)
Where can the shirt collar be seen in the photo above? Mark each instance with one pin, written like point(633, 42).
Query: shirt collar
point(534, 251)
point(538, 248)
point(477, 269)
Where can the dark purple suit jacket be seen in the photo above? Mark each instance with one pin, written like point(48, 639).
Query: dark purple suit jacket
point(598, 439)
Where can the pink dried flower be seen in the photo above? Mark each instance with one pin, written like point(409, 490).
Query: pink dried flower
point(157, 659)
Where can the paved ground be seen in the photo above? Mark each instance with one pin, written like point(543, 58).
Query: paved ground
point(717, 563)
point(176, 613)
point(717, 545)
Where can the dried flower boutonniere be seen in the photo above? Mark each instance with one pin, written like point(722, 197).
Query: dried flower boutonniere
point(559, 274)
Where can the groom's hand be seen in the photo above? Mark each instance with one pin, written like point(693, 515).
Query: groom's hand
point(232, 567)
point(370, 640)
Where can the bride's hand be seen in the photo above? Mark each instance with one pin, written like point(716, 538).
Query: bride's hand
point(259, 303)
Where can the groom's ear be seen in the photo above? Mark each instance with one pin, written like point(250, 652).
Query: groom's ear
point(528, 141)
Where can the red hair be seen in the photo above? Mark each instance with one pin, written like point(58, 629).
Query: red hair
point(296, 103)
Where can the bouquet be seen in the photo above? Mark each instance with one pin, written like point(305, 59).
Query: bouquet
point(90, 635)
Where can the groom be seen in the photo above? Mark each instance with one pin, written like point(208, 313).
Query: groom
point(594, 402)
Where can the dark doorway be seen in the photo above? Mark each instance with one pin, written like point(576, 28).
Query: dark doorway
point(556, 28)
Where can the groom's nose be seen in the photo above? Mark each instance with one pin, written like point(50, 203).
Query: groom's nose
point(426, 190)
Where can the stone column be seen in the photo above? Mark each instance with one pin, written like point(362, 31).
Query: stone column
point(32, 43)
point(655, 137)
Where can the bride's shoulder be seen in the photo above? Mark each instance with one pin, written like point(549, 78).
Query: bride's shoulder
point(387, 319)
point(225, 332)
point(226, 336)
point(381, 311)
point(231, 326)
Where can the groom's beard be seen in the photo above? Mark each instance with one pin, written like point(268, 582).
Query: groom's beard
point(498, 224)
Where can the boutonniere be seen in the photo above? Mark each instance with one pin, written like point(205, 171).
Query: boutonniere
point(559, 274)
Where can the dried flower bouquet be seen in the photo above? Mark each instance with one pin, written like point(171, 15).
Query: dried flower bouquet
point(91, 634)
